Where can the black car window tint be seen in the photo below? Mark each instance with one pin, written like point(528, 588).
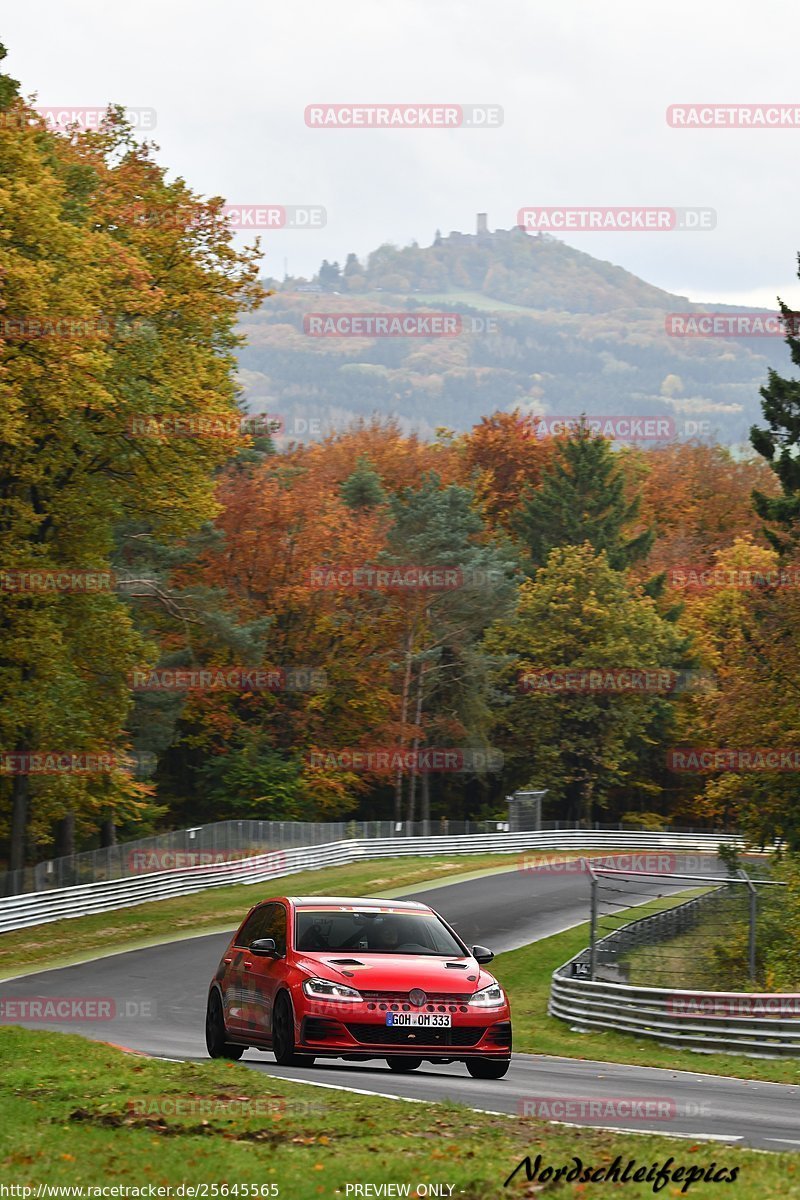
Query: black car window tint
point(251, 929)
point(378, 933)
point(275, 926)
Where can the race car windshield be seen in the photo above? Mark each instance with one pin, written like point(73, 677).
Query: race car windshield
point(374, 933)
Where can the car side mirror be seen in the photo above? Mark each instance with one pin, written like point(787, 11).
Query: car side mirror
point(265, 947)
point(482, 955)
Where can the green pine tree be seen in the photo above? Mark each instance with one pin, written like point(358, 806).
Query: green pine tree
point(330, 276)
point(364, 488)
point(779, 445)
point(445, 668)
point(582, 498)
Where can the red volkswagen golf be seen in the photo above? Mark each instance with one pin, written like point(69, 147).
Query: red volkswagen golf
point(313, 976)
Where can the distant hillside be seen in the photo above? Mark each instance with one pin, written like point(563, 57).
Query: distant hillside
point(567, 334)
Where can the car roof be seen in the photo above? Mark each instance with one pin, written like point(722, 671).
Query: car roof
point(357, 902)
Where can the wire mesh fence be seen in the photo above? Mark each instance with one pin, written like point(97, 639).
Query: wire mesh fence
point(676, 929)
point(202, 845)
point(222, 841)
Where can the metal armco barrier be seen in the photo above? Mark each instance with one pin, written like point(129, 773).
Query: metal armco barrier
point(757, 1023)
point(35, 908)
point(732, 1022)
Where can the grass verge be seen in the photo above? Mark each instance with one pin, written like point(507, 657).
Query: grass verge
point(78, 1113)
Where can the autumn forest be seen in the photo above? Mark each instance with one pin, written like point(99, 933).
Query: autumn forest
point(373, 624)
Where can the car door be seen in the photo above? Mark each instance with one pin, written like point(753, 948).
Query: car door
point(236, 994)
point(263, 973)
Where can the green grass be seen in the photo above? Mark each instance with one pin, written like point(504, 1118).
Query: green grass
point(474, 300)
point(78, 1113)
point(526, 973)
point(685, 961)
point(714, 955)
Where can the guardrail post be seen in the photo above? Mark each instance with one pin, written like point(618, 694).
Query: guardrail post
point(751, 948)
point(592, 923)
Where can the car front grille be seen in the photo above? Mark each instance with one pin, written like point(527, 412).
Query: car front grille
point(431, 997)
point(388, 1035)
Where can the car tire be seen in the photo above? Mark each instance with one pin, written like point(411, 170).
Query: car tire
point(216, 1043)
point(283, 1036)
point(402, 1065)
point(487, 1068)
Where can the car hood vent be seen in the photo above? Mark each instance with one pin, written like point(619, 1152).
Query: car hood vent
point(456, 966)
point(346, 962)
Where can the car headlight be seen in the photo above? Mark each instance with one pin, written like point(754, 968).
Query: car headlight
point(492, 996)
point(323, 989)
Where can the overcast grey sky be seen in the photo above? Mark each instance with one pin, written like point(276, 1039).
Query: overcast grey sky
point(584, 88)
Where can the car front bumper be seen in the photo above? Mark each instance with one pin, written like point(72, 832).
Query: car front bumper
point(362, 1030)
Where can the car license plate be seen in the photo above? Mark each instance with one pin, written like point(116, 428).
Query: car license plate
point(426, 1020)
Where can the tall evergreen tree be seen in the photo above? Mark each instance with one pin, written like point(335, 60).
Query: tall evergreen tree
point(363, 489)
point(330, 275)
point(780, 446)
point(445, 670)
point(582, 498)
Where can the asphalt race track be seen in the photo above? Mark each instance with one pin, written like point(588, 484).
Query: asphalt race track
point(160, 996)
